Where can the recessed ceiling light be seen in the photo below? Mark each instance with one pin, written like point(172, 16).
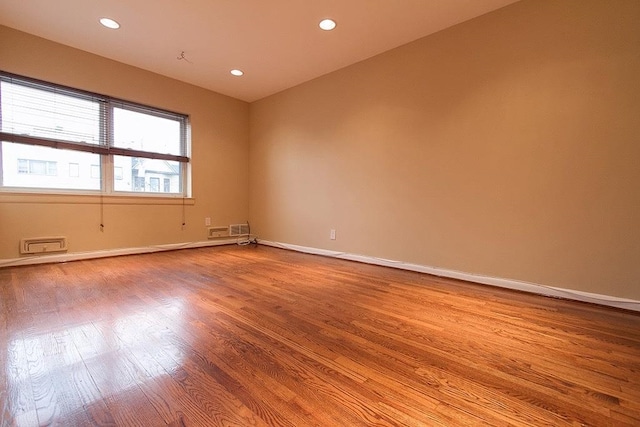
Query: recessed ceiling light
point(237, 73)
point(109, 23)
point(327, 24)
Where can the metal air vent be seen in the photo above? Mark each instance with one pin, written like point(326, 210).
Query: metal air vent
point(39, 245)
point(217, 232)
point(238, 230)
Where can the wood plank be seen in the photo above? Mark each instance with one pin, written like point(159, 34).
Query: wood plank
point(261, 336)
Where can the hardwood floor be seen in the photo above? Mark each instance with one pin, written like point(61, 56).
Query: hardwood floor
point(257, 336)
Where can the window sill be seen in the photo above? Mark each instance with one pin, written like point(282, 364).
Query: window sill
point(93, 199)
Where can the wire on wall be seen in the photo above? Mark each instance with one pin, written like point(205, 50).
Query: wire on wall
point(101, 212)
point(184, 213)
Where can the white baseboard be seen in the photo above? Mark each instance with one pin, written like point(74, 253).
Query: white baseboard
point(534, 288)
point(77, 256)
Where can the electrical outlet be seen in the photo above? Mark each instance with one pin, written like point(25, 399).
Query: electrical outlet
point(332, 234)
point(207, 221)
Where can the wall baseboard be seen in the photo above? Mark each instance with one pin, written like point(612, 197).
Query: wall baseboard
point(534, 288)
point(77, 256)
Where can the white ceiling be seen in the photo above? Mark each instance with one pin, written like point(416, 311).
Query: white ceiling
point(277, 43)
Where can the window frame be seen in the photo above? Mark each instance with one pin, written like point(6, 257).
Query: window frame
point(105, 148)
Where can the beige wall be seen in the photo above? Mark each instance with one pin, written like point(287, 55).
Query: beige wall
point(506, 146)
point(219, 148)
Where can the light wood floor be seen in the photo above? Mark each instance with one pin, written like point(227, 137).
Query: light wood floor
point(256, 336)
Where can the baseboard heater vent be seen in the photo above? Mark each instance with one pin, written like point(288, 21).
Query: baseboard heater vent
point(217, 232)
point(40, 245)
point(236, 230)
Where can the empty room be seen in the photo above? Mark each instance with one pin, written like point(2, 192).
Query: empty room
point(327, 213)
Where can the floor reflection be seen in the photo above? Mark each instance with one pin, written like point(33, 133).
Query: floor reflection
point(52, 372)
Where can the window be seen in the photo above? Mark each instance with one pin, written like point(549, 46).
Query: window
point(105, 144)
point(37, 167)
point(74, 170)
point(154, 184)
point(23, 166)
point(138, 183)
point(95, 171)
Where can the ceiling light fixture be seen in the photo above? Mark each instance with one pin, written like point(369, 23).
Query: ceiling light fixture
point(236, 72)
point(109, 23)
point(327, 24)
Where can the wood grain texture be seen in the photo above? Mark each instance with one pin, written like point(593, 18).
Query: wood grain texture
point(258, 336)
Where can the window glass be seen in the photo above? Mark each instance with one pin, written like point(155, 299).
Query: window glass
point(30, 166)
point(146, 132)
point(137, 171)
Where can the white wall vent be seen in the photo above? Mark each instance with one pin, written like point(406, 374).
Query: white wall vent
point(39, 245)
point(216, 232)
point(238, 230)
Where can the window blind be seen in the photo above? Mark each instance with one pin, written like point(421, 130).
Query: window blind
point(45, 114)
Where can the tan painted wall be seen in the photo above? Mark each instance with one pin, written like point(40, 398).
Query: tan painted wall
point(506, 146)
point(219, 148)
